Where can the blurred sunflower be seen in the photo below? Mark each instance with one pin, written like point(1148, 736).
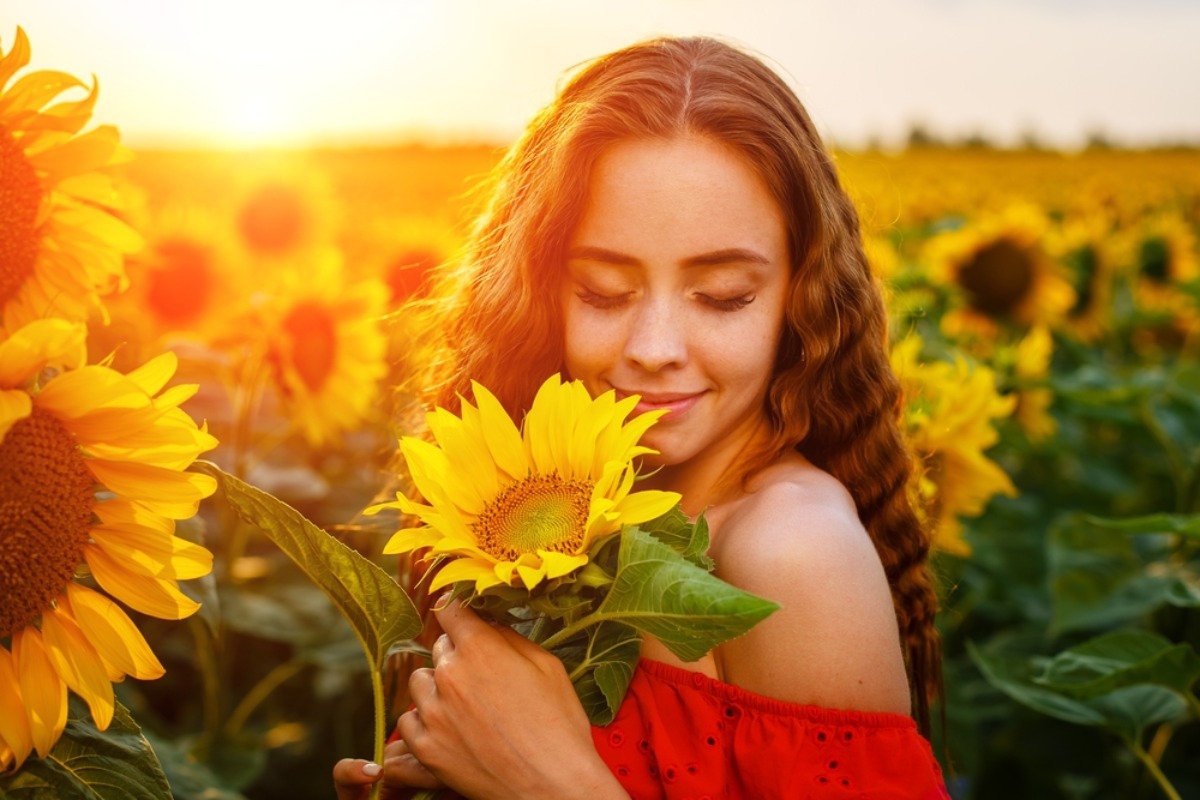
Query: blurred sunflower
point(1164, 256)
point(325, 346)
point(1000, 267)
point(1083, 244)
point(1033, 354)
point(183, 282)
point(282, 211)
point(949, 424)
point(63, 439)
point(510, 507)
point(61, 243)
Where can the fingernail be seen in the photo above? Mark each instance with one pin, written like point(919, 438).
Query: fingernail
point(371, 769)
point(443, 601)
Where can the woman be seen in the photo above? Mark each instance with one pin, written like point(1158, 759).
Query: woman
point(672, 226)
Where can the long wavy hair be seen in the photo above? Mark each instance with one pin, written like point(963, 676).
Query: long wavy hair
point(495, 315)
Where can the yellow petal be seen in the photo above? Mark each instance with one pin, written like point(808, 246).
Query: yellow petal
point(14, 720)
point(171, 493)
point(42, 343)
point(112, 633)
point(503, 438)
point(409, 539)
point(137, 589)
point(461, 569)
point(15, 59)
point(78, 664)
point(43, 690)
point(152, 376)
point(644, 506)
point(559, 564)
point(15, 405)
point(531, 576)
point(119, 511)
point(164, 555)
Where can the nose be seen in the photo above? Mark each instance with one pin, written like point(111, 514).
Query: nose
point(657, 338)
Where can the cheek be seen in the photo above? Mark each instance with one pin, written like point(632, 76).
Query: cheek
point(587, 351)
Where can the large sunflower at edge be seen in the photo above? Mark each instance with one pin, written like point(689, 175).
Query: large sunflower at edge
point(61, 246)
point(506, 507)
point(91, 475)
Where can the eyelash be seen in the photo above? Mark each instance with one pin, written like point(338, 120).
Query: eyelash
point(606, 302)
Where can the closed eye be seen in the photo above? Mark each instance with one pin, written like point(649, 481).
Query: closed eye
point(727, 303)
point(602, 301)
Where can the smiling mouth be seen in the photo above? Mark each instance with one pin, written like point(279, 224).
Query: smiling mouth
point(674, 402)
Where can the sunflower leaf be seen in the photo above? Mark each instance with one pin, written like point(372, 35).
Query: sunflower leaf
point(86, 763)
point(658, 591)
point(688, 539)
point(378, 610)
point(601, 667)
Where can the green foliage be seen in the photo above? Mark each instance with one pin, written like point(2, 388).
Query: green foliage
point(378, 610)
point(116, 764)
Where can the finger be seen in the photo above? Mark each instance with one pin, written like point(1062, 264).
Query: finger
point(404, 770)
point(461, 623)
point(411, 729)
point(442, 648)
point(421, 686)
point(352, 777)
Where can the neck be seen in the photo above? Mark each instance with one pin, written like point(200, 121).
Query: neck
point(711, 478)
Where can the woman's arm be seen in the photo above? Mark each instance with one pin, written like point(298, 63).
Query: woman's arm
point(497, 717)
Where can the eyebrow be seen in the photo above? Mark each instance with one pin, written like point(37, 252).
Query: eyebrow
point(732, 255)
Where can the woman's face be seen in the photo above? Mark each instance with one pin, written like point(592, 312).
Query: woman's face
point(676, 282)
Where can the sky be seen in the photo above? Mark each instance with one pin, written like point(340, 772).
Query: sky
point(236, 73)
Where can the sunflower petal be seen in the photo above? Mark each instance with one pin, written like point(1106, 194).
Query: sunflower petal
point(462, 569)
point(502, 437)
point(112, 633)
point(42, 343)
point(15, 405)
point(169, 492)
point(646, 505)
point(137, 588)
point(43, 690)
point(14, 720)
point(559, 564)
point(78, 664)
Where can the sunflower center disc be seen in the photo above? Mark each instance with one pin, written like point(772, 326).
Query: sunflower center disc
point(998, 278)
point(46, 499)
point(179, 288)
point(273, 220)
point(541, 512)
point(20, 196)
point(314, 343)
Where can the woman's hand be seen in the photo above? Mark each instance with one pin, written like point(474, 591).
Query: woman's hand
point(497, 717)
point(400, 773)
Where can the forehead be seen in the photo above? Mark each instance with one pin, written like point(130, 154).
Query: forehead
point(681, 196)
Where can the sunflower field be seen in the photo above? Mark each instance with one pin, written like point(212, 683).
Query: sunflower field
point(203, 368)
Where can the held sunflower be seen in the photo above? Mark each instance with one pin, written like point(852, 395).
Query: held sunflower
point(63, 438)
point(509, 507)
point(61, 243)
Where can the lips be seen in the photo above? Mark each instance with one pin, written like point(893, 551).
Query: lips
point(674, 402)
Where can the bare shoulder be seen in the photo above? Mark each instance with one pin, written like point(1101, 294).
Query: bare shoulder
point(795, 538)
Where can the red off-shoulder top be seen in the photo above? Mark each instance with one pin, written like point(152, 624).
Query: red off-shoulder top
point(683, 735)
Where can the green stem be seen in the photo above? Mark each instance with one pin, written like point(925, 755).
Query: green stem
point(380, 720)
point(206, 657)
point(260, 692)
point(1154, 770)
point(571, 630)
point(1178, 468)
